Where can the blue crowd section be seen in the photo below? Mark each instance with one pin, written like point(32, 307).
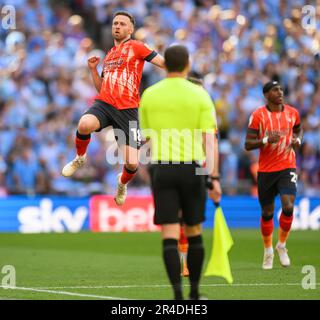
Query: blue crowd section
point(235, 47)
point(63, 214)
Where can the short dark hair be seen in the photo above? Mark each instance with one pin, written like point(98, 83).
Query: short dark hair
point(269, 85)
point(176, 58)
point(127, 14)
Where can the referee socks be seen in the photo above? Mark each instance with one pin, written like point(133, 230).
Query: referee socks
point(172, 264)
point(195, 261)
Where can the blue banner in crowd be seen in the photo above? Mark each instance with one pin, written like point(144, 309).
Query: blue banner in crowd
point(63, 214)
point(47, 214)
point(245, 212)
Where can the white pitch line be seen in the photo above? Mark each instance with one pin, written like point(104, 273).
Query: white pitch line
point(4, 298)
point(167, 285)
point(63, 293)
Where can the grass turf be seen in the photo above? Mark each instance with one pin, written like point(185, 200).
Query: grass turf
point(82, 265)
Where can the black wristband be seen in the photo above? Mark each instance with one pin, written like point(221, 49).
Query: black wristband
point(209, 181)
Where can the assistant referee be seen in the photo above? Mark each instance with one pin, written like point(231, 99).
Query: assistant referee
point(172, 113)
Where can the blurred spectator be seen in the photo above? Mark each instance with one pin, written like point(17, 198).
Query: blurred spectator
point(25, 172)
point(228, 167)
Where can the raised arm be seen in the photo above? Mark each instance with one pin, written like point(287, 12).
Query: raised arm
point(92, 64)
point(158, 61)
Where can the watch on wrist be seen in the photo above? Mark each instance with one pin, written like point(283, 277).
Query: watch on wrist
point(209, 181)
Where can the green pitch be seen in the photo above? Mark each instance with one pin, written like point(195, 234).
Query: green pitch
point(129, 265)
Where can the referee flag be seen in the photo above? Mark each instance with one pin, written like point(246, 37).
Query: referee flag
point(221, 244)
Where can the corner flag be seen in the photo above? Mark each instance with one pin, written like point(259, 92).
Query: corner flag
point(221, 244)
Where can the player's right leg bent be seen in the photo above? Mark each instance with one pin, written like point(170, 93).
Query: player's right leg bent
point(89, 122)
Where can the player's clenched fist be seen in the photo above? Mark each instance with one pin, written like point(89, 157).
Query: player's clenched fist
point(93, 62)
point(273, 138)
point(296, 142)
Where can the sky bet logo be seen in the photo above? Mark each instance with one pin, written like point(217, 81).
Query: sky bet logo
point(135, 215)
point(46, 219)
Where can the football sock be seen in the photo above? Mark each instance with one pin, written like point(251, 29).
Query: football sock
point(127, 174)
point(172, 264)
point(285, 223)
point(183, 242)
point(82, 142)
point(266, 226)
point(195, 261)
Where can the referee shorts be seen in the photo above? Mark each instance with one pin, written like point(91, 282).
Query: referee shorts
point(125, 122)
point(176, 187)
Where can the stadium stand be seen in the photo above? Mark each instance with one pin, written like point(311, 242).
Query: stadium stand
point(236, 46)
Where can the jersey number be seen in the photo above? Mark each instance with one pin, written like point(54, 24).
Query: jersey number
point(136, 134)
point(294, 177)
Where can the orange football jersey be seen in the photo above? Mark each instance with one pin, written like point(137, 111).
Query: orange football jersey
point(122, 72)
point(275, 156)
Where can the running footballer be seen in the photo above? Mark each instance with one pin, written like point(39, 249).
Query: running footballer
point(275, 129)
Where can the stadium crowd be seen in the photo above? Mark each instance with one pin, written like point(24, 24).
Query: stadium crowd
point(236, 46)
